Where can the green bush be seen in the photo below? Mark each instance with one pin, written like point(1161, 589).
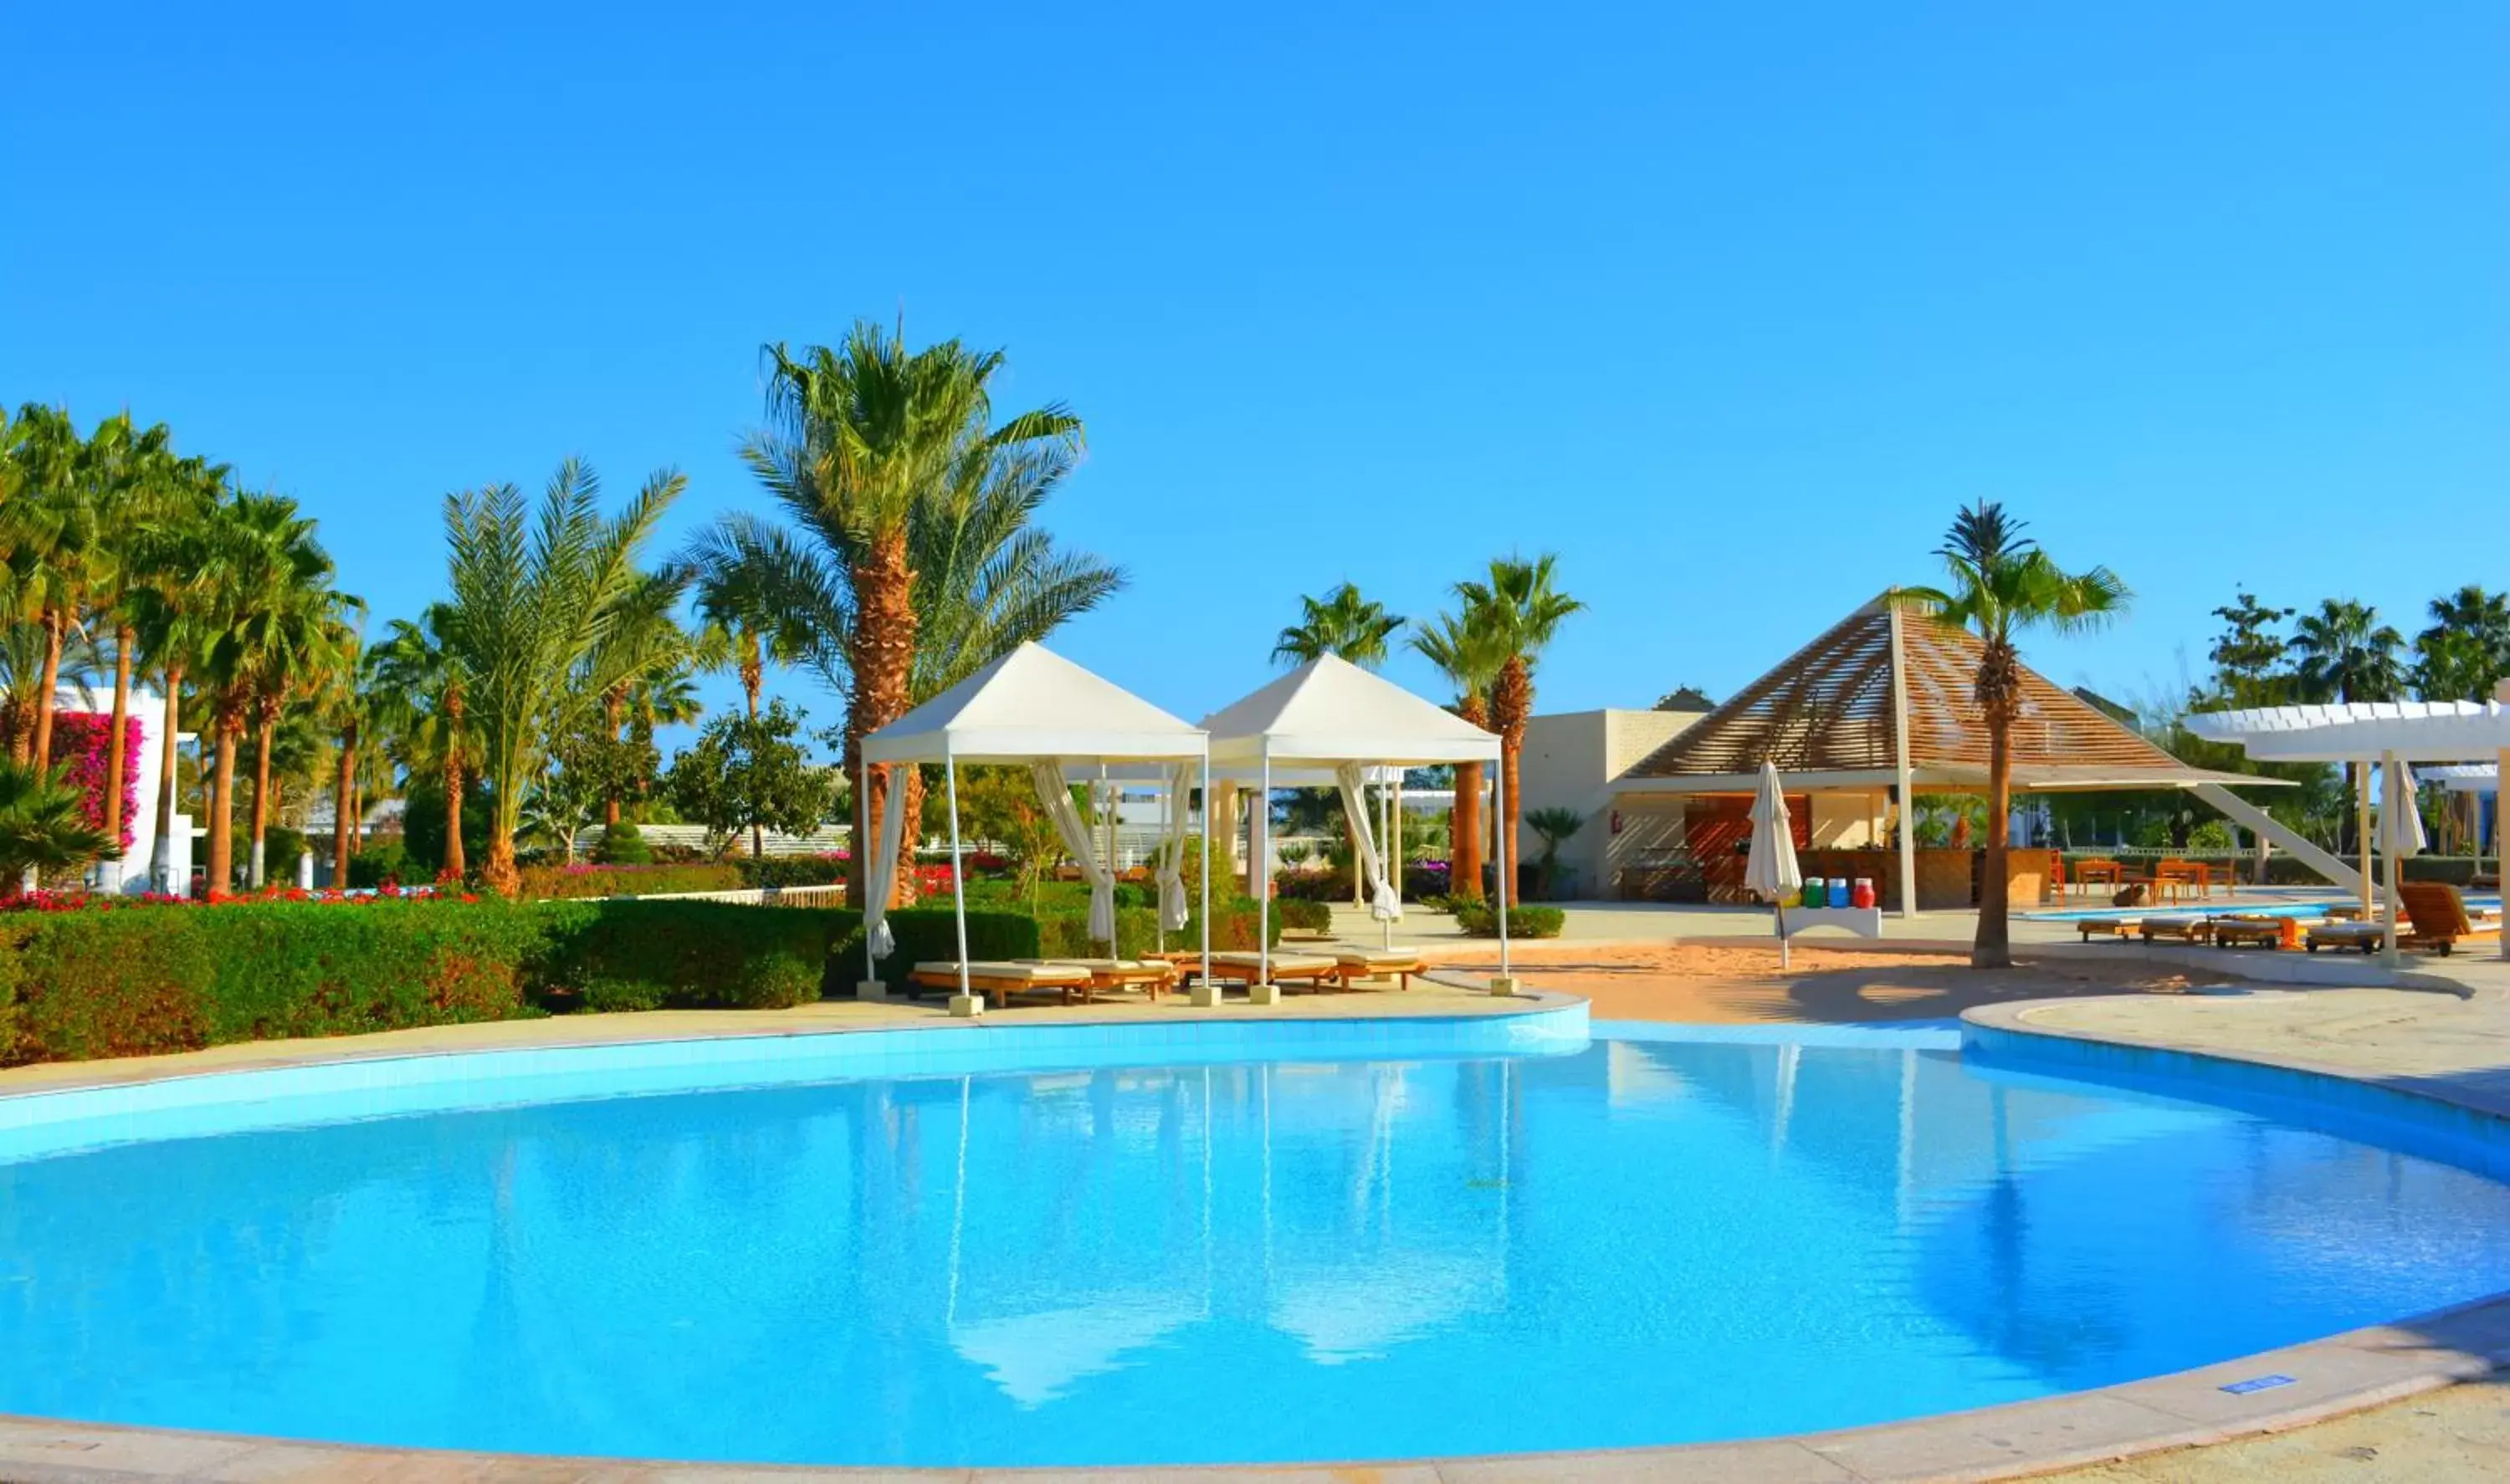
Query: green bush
point(622, 844)
point(930, 935)
point(1480, 920)
point(686, 955)
point(790, 871)
point(384, 863)
point(1304, 915)
point(134, 981)
point(572, 883)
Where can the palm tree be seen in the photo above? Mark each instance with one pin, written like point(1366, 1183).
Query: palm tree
point(43, 826)
point(1555, 825)
point(26, 653)
point(55, 543)
point(1522, 611)
point(1343, 624)
point(536, 610)
point(418, 687)
point(168, 609)
point(134, 473)
point(343, 704)
point(859, 437)
point(286, 628)
point(1468, 655)
point(2346, 653)
point(2002, 585)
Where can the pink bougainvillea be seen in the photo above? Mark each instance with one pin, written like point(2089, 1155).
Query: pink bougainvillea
point(80, 746)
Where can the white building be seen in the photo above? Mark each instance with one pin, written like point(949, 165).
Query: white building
point(1572, 760)
point(131, 874)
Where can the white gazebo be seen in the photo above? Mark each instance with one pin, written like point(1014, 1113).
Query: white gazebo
point(1330, 714)
point(1035, 709)
point(2393, 735)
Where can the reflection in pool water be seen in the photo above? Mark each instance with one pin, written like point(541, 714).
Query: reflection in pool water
point(1643, 1242)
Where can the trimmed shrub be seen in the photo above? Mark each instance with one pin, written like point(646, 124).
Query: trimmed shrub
point(1303, 915)
point(686, 955)
point(134, 981)
point(572, 883)
point(791, 870)
point(622, 844)
point(930, 935)
point(1333, 884)
point(1480, 919)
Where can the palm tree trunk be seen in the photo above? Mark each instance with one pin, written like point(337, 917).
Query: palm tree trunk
point(261, 798)
point(612, 706)
point(343, 807)
point(44, 706)
point(2000, 687)
point(1511, 702)
point(455, 866)
point(1464, 828)
point(883, 659)
point(161, 863)
point(117, 748)
point(222, 811)
point(753, 674)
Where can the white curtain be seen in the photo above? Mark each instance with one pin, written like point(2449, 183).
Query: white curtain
point(881, 871)
point(1054, 791)
point(2399, 802)
point(1174, 911)
point(1385, 903)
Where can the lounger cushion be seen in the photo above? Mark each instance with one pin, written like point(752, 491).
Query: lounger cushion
point(1283, 963)
point(1004, 973)
point(1377, 960)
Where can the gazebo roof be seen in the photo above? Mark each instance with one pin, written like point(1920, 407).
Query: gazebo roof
point(1828, 715)
point(2416, 731)
point(1034, 704)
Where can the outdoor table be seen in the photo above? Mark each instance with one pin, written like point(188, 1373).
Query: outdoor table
point(2104, 872)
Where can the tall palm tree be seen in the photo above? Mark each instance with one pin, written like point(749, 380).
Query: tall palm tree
point(536, 609)
point(860, 437)
point(1343, 624)
point(55, 542)
point(418, 686)
point(286, 626)
point(1521, 611)
point(134, 472)
point(1468, 655)
point(168, 609)
point(2346, 653)
point(2003, 584)
point(44, 827)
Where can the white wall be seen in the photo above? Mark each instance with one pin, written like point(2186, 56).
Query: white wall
point(1571, 760)
point(130, 874)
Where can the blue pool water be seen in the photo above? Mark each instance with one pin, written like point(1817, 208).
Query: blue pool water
point(1599, 1243)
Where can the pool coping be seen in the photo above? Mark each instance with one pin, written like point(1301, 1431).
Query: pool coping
point(2315, 1381)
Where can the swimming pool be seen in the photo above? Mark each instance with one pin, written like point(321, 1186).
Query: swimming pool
point(1374, 1244)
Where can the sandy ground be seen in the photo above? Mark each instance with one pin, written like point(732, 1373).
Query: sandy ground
point(1712, 984)
point(2457, 1436)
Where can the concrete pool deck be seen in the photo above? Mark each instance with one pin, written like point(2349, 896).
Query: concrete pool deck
point(2448, 1039)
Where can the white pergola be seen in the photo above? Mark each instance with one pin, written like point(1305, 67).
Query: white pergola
point(1030, 708)
point(2388, 733)
point(1331, 714)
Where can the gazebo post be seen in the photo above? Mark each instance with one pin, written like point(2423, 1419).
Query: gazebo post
point(2500, 795)
point(1264, 991)
point(1205, 981)
point(2388, 848)
point(1900, 767)
point(1506, 982)
point(870, 988)
point(962, 1004)
point(2362, 828)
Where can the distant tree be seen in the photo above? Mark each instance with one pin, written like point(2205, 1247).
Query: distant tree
point(2346, 653)
point(1521, 611)
point(1000, 804)
point(749, 773)
point(1688, 698)
point(2454, 665)
point(1343, 624)
point(1555, 825)
point(2251, 655)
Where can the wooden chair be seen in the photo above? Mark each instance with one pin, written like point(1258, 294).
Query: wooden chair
point(2432, 915)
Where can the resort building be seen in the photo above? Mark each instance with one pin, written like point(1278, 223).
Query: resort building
point(1576, 760)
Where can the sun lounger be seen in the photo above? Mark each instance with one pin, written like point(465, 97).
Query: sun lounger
point(2119, 928)
point(2436, 917)
point(1378, 964)
point(1151, 974)
point(1313, 970)
point(2183, 929)
point(2366, 936)
point(2252, 932)
point(998, 981)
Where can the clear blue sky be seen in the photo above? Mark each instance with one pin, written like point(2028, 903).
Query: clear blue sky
point(1729, 305)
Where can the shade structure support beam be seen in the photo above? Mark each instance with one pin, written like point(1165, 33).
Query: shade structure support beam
point(1900, 766)
point(2388, 841)
point(2267, 827)
point(966, 1004)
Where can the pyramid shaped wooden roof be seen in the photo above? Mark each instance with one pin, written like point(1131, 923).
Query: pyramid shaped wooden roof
point(1832, 714)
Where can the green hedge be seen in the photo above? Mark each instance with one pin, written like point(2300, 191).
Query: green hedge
point(1305, 915)
point(131, 982)
point(929, 934)
point(574, 883)
point(790, 871)
point(1478, 920)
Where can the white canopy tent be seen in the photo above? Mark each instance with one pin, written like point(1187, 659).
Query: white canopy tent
point(1329, 713)
point(2393, 734)
point(1032, 708)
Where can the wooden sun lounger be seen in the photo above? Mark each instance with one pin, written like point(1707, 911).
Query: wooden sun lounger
point(2252, 932)
point(998, 981)
point(1313, 969)
point(1153, 975)
point(2119, 928)
point(2184, 929)
point(1378, 964)
point(2434, 916)
point(2366, 936)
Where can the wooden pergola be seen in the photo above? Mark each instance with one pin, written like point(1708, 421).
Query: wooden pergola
point(1883, 701)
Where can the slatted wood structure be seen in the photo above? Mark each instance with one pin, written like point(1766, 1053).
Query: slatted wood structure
point(1832, 716)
